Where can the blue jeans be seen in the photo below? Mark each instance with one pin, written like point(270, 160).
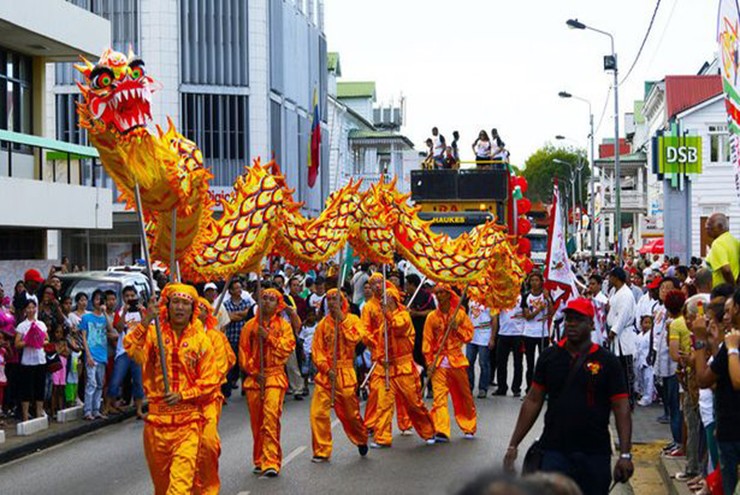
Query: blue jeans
point(670, 391)
point(472, 351)
point(93, 388)
point(121, 367)
point(591, 472)
point(729, 458)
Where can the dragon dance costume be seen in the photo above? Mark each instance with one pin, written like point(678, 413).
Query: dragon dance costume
point(266, 408)
point(405, 383)
point(451, 372)
point(172, 433)
point(346, 402)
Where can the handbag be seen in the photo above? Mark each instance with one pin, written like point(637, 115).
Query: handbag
point(532, 461)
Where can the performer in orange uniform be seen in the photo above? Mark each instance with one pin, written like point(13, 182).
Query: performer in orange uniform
point(175, 421)
point(404, 377)
point(450, 373)
point(266, 388)
point(372, 319)
point(341, 373)
point(207, 480)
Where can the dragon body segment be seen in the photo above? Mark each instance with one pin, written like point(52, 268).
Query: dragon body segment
point(259, 216)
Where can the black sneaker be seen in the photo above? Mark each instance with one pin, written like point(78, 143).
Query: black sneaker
point(297, 396)
point(256, 470)
point(270, 473)
point(499, 392)
point(517, 394)
point(362, 449)
point(442, 438)
point(317, 459)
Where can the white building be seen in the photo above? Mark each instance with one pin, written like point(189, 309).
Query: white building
point(366, 142)
point(713, 190)
point(46, 185)
point(238, 78)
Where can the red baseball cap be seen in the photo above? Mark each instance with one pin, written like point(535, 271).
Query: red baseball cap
point(655, 283)
point(33, 275)
point(582, 306)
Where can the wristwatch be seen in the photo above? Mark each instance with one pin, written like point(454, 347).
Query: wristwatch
point(626, 456)
point(699, 345)
point(730, 352)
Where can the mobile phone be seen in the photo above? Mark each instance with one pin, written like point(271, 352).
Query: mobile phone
point(133, 305)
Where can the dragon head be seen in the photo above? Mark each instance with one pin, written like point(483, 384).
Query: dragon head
point(116, 92)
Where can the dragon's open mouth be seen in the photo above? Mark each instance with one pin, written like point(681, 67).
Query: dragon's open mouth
point(131, 108)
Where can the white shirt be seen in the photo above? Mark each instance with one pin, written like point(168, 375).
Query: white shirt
point(31, 356)
point(438, 146)
point(481, 318)
point(307, 336)
point(645, 307)
point(248, 297)
point(621, 321)
point(510, 322)
point(130, 321)
point(537, 326)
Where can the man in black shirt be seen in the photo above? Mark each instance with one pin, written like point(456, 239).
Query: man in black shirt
point(583, 383)
point(726, 395)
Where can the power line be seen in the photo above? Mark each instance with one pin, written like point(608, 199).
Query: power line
point(644, 40)
point(603, 111)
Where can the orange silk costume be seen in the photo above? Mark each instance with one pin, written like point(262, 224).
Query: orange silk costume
point(405, 384)
point(172, 433)
point(265, 411)
point(451, 369)
point(207, 479)
point(346, 403)
point(372, 319)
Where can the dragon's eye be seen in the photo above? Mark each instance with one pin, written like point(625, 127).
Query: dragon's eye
point(137, 69)
point(101, 78)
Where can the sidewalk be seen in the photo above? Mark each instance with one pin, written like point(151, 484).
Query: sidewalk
point(16, 446)
point(653, 472)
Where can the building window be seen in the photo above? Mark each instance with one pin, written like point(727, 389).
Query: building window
point(214, 42)
point(277, 48)
point(67, 128)
point(22, 244)
point(719, 144)
point(15, 92)
point(276, 130)
point(219, 125)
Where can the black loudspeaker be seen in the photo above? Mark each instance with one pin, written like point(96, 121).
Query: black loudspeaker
point(488, 185)
point(429, 185)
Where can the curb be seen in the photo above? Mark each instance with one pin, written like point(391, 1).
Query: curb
point(666, 468)
point(57, 438)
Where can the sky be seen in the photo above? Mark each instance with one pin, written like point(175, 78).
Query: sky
point(477, 64)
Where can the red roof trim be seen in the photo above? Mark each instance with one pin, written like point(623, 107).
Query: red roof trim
point(684, 92)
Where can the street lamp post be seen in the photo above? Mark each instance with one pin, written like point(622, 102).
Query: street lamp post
point(572, 177)
point(610, 63)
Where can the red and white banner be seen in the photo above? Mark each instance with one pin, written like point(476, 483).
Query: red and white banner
point(559, 278)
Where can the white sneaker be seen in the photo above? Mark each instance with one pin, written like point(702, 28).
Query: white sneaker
point(469, 436)
point(375, 445)
point(430, 441)
point(407, 433)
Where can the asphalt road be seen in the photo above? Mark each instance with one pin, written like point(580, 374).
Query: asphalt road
point(111, 460)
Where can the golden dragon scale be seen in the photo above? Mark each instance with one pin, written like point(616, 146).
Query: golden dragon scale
point(259, 215)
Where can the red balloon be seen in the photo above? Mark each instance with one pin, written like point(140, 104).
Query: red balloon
point(522, 183)
point(523, 206)
point(523, 226)
point(524, 246)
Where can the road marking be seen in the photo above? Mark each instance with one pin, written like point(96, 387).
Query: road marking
point(296, 452)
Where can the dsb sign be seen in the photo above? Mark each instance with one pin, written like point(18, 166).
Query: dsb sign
point(679, 154)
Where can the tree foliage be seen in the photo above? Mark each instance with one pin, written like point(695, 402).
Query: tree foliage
point(541, 169)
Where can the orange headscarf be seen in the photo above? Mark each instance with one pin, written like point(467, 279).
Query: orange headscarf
point(279, 296)
point(211, 321)
point(454, 297)
point(345, 303)
point(183, 291)
point(391, 290)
